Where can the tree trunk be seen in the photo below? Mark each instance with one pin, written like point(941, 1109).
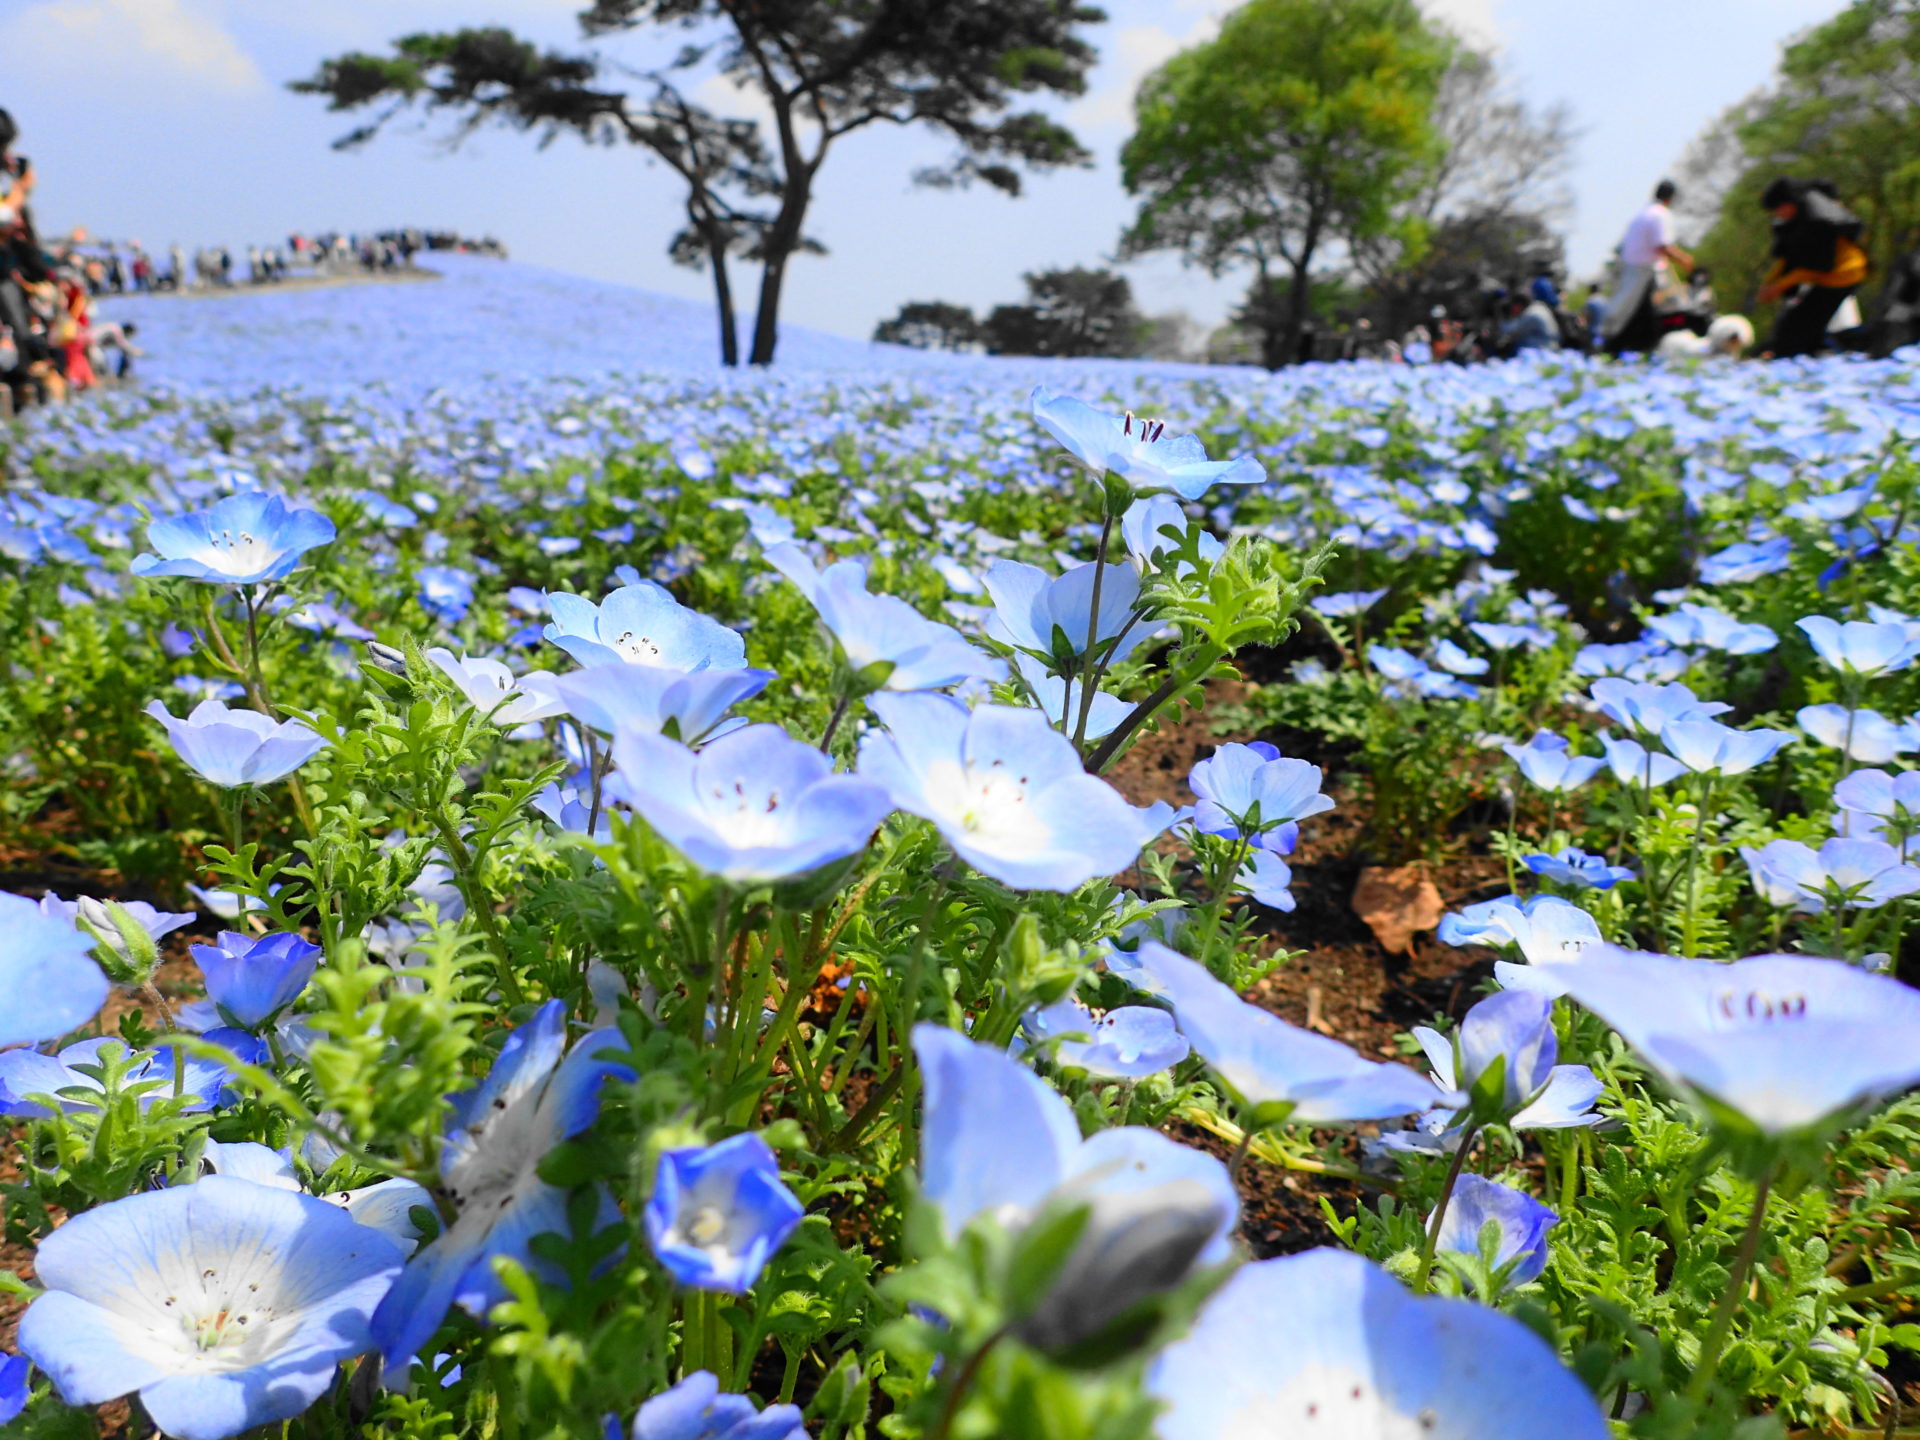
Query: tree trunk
point(1299, 306)
point(717, 240)
point(783, 238)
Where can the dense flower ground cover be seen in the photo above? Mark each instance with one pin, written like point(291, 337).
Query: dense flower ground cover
point(663, 956)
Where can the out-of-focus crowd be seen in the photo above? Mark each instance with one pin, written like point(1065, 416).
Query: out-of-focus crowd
point(52, 340)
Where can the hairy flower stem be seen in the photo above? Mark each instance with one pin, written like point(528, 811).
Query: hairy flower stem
point(480, 905)
point(597, 767)
point(833, 723)
point(1722, 1323)
point(1425, 1270)
point(963, 1382)
point(1688, 941)
point(1089, 671)
point(1147, 708)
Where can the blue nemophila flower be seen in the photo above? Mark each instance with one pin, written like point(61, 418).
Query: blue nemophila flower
point(1521, 1223)
point(1139, 451)
point(1456, 661)
point(237, 747)
point(1707, 747)
point(718, 1213)
point(1510, 637)
point(998, 1141)
point(1645, 708)
point(1859, 734)
point(1329, 1343)
point(47, 972)
point(1784, 1042)
point(1712, 629)
point(1274, 1067)
point(225, 1304)
point(1048, 616)
point(104, 918)
point(696, 1410)
point(755, 805)
point(1861, 647)
point(1126, 1043)
point(1006, 790)
point(1633, 764)
point(1861, 873)
point(886, 642)
point(1250, 789)
point(642, 625)
point(507, 699)
point(1575, 867)
point(445, 592)
point(496, 1136)
point(1548, 763)
point(685, 705)
point(1344, 604)
point(245, 539)
point(1746, 560)
point(25, 1074)
point(1059, 700)
point(385, 1205)
point(572, 809)
point(1144, 529)
point(1266, 877)
point(1501, 1056)
point(250, 979)
point(13, 1386)
point(1546, 930)
point(1874, 802)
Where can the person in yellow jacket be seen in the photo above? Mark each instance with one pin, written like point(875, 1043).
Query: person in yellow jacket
point(1816, 250)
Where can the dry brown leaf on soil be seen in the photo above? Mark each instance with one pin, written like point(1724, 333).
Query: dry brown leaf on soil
point(1396, 901)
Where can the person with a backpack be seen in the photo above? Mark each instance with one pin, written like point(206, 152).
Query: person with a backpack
point(1816, 250)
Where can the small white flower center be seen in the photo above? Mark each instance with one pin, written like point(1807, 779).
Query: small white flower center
point(239, 553)
point(1330, 1401)
point(639, 649)
point(707, 1226)
point(748, 818)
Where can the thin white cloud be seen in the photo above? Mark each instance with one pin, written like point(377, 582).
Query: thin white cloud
point(1472, 20)
point(170, 39)
point(1129, 55)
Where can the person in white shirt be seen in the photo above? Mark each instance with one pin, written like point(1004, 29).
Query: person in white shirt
point(1645, 252)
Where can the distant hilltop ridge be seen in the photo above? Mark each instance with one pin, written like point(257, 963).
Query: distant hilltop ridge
point(489, 319)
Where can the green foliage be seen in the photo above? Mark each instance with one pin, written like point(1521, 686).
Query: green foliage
point(1302, 123)
point(1843, 107)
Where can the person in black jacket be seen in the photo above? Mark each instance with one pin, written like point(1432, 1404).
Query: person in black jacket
point(1817, 261)
point(1898, 320)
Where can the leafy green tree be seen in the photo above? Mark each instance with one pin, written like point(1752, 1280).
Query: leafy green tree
point(824, 68)
point(1845, 107)
point(930, 325)
point(491, 77)
point(1304, 127)
point(829, 68)
point(1077, 312)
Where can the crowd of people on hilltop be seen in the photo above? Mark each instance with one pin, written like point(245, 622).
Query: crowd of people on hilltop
point(113, 268)
point(52, 340)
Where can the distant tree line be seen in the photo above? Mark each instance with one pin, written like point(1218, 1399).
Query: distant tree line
point(1360, 163)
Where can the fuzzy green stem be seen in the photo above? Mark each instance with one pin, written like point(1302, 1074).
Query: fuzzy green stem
point(1089, 671)
point(1432, 1242)
point(1722, 1323)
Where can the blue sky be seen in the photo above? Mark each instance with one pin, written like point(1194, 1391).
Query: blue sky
point(168, 119)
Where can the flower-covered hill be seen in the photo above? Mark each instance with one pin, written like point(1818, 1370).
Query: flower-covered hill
point(483, 318)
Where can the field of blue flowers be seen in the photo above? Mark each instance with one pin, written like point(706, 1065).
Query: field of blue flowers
point(570, 895)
